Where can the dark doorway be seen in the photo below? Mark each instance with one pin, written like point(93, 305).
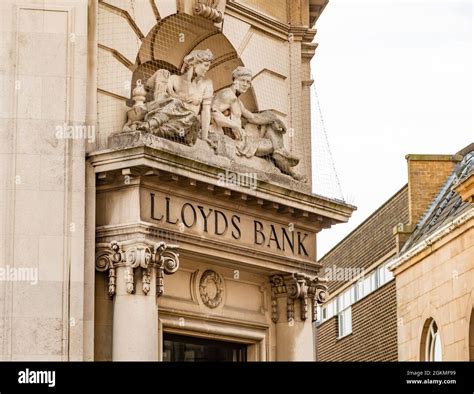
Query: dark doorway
point(183, 348)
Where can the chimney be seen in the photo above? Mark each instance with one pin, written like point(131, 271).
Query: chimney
point(426, 175)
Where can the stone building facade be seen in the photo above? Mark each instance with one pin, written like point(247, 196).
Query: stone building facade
point(167, 214)
point(434, 271)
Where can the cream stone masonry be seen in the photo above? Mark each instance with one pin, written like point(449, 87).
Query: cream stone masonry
point(43, 74)
point(439, 286)
point(135, 322)
point(100, 211)
point(434, 272)
point(294, 297)
point(160, 175)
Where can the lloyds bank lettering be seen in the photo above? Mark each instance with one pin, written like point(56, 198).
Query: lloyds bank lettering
point(213, 222)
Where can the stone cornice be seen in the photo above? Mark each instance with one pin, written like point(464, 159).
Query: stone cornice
point(407, 259)
point(316, 7)
point(257, 19)
point(268, 24)
point(325, 211)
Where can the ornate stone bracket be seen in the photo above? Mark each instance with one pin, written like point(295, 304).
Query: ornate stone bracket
point(144, 255)
point(209, 11)
point(297, 287)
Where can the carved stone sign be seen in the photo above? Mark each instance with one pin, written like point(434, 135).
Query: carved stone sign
point(228, 226)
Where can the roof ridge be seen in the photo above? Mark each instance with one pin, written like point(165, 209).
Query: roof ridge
point(445, 191)
point(399, 191)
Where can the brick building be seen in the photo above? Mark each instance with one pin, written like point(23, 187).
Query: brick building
point(424, 234)
point(358, 321)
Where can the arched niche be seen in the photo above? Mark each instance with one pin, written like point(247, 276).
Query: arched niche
point(173, 37)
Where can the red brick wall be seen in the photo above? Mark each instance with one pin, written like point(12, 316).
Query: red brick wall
point(374, 331)
point(426, 175)
point(371, 240)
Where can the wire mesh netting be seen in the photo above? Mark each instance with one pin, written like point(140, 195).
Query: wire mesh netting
point(325, 180)
point(172, 76)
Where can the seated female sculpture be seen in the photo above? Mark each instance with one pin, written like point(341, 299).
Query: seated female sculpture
point(182, 103)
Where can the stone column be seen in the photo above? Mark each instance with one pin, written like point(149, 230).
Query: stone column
point(135, 272)
point(294, 297)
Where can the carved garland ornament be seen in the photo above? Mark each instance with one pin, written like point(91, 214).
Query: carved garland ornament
point(297, 287)
point(161, 256)
point(211, 289)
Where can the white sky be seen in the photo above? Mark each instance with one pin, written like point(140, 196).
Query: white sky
point(393, 78)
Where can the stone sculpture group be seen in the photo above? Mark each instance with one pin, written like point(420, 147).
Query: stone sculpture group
point(185, 108)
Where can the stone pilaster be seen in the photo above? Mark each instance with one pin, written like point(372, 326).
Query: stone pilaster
point(293, 297)
point(135, 270)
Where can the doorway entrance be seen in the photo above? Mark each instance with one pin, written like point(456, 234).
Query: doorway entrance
point(184, 348)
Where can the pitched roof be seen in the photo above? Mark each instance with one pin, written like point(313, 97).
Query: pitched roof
point(447, 205)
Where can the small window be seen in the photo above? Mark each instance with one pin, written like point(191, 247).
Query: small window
point(331, 309)
point(344, 300)
point(373, 281)
point(367, 285)
point(381, 276)
point(323, 313)
point(344, 322)
point(359, 290)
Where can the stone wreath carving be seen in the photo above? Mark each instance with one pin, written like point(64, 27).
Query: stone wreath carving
point(211, 289)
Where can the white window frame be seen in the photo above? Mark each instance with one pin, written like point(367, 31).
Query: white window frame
point(344, 323)
point(433, 343)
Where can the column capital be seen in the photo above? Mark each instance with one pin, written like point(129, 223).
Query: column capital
point(297, 287)
point(132, 254)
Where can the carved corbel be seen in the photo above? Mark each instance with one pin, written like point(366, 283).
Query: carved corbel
point(318, 292)
point(166, 261)
point(210, 9)
point(297, 287)
point(159, 255)
point(278, 287)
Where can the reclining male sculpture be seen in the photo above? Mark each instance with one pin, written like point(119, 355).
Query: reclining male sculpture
point(227, 113)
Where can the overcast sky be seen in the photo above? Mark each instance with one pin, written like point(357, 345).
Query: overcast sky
point(393, 78)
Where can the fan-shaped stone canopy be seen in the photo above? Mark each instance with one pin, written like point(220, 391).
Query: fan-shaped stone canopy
point(177, 35)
